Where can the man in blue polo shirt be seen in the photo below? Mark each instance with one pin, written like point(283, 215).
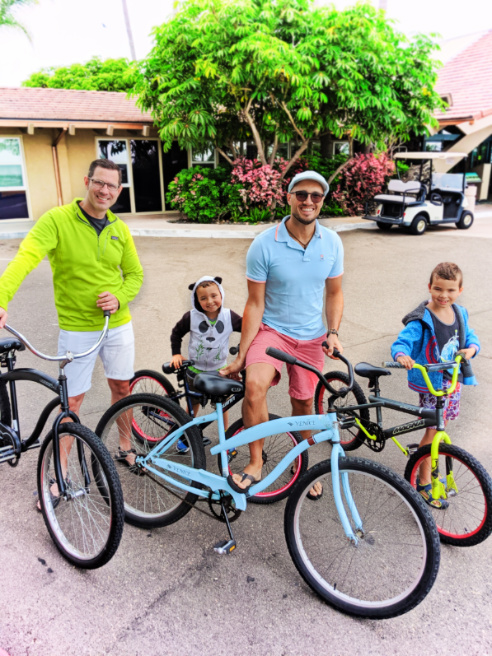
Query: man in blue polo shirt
point(289, 268)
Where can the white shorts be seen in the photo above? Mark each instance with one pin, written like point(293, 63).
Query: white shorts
point(117, 352)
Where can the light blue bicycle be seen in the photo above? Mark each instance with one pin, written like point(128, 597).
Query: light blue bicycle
point(368, 546)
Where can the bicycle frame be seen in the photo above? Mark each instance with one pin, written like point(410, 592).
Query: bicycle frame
point(326, 424)
point(427, 417)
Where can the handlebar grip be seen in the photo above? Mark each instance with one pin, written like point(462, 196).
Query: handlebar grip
point(234, 350)
point(107, 313)
point(393, 365)
point(280, 355)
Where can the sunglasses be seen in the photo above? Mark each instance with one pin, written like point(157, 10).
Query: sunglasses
point(302, 196)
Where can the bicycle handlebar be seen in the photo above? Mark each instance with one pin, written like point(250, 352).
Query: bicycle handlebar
point(68, 356)
point(290, 359)
point(437, 366)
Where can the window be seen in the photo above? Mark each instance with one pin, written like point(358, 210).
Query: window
point(205, 157)
point(341, 148)
point(13, 183)
point(138, 160)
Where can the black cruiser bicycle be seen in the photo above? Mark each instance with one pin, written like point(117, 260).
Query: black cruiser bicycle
point(78, 485)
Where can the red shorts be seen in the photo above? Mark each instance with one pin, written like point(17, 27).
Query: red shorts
point(302, 383)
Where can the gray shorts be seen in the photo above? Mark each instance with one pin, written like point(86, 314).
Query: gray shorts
point(117, 352)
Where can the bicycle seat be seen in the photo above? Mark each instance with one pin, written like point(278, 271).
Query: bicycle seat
point(370, 371)
point(215, 386)
point(11, 344)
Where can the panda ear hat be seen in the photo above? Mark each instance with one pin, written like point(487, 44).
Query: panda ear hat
point(193, 286)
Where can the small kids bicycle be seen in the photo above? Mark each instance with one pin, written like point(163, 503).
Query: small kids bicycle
point(78, 485)
point(275, 446)
point(368, 546)
point(455, 474)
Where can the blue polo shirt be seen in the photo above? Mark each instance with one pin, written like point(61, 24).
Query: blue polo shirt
point(295, 278)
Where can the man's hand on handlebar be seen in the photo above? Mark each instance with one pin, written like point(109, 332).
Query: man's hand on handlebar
point(3, 317)
point(108, 301)
point(332, 342)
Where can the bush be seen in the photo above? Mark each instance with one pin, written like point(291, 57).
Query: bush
point(363, 178)
point(196, 193)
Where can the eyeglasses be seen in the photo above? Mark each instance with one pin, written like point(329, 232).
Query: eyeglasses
point(99, 184)
point(302, 196)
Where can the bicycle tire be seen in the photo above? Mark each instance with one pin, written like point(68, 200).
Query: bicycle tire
point(146, 381)
point(149, 501)
point(5, 410)
point(87, 526)
point(468, 518)
point(274, 449)
point(350, 438)
point(394, 564)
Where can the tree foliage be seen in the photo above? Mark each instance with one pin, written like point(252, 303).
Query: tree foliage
point(7, 13)
point(223, 71)
point(95, 75)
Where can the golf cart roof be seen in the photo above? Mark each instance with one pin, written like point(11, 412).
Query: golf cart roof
point(430, 155)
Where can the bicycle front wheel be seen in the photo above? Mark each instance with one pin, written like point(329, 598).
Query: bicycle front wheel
point(350, 438)
point(468, 518)
point(150, 501)
point(87, 524)
point(395, 562)
point(275, 448)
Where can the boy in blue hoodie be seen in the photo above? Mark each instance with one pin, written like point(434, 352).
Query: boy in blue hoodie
point(435, 332)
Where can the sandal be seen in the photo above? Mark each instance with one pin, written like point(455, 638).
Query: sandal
point(244, 477)
point(122, 459)
point(315, 497)
point(426, 492)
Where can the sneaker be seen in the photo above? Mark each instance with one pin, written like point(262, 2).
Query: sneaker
point(182, 446)
point(426, 492)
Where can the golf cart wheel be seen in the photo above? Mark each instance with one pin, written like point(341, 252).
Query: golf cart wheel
point(418, 225)
point(384, 226)
point(466, 221)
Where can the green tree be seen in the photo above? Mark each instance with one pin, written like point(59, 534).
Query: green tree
point(95, 75)
point(223, 71)
point(7, 11)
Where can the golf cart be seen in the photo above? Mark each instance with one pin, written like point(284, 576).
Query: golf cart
point(421, 196)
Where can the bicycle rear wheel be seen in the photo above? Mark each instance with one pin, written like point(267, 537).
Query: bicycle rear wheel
point(146, 381)
point(87, 525)
point(394, 564)
point(274, 449)
point(150, 501)
point(350, 438)
point(468, 518)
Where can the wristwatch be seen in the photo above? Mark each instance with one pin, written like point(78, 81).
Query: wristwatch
point(332, 331)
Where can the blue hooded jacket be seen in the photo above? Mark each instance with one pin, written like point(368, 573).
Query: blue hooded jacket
point(418, 340)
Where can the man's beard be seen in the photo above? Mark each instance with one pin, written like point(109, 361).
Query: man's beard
point(303, 221)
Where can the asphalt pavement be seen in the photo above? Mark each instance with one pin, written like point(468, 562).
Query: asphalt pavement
point(166, 591)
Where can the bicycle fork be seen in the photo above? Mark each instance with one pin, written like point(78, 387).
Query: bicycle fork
point(352, 537)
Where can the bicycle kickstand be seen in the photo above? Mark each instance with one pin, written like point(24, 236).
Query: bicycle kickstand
point(225, 546)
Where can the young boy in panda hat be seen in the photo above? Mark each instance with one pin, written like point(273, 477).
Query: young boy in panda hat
point(210, 325)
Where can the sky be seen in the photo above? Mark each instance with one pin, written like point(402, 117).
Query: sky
point(64, 32)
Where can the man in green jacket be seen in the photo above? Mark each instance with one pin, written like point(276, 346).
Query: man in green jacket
point(95, 268)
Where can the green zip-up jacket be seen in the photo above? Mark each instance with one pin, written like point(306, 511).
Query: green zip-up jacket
point(83, 264)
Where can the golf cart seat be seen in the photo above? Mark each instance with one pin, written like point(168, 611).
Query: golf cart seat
point(408, 193)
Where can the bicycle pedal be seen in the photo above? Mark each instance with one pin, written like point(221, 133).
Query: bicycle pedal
point(206, 441)
point(225, 547)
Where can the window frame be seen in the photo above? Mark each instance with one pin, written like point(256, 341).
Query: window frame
point(25, 179)
point(129, 164)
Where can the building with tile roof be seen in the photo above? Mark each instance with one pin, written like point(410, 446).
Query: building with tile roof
point(48, 137)
point(465, 82)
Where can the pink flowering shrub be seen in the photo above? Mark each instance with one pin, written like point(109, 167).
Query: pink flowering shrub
point(362, 178)
point(259, 185)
